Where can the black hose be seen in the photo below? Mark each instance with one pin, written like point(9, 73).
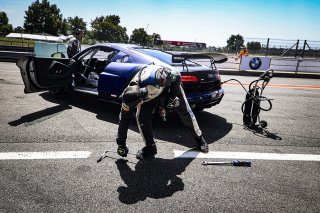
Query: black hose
point(257, 104)
point(232, 79)
point(252, 83)
point(256, 99)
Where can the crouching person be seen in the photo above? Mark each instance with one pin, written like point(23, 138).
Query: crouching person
point(152, 86)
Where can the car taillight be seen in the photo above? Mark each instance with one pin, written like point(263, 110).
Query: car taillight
point(189, 78)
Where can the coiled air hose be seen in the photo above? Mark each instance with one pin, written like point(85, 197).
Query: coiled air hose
point(255, 98)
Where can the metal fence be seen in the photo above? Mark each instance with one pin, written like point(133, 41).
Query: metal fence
point(285, 48)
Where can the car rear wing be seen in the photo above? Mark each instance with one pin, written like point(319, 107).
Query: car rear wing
point(214, 58)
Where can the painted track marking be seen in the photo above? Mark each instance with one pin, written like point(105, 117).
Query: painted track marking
point(177, 154)
point(43, 155)
point(246, 155)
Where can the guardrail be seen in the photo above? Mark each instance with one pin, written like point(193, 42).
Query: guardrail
point(13, 56)
point(16, 48)
point(296, 65)
point(13, 53)
point(18, 42)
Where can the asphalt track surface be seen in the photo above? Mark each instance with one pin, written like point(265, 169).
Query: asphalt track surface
point(58, 141)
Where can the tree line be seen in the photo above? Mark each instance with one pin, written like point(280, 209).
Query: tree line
point(41, 17)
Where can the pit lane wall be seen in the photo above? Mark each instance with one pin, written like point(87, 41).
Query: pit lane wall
point(293, 65)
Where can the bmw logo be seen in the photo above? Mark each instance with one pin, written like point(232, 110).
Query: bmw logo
point(255, 63)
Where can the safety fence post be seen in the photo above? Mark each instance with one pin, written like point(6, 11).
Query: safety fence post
point(304, 48)
point(298, 64)
point(296, 52)
point(267, 48)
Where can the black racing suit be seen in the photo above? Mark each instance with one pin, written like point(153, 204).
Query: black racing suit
point(145, 114)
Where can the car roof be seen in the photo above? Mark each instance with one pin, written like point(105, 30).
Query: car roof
point(131, 50)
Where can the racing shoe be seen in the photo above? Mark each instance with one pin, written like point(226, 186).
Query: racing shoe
point(202, 145)
point(122, 150)
point(146, 152)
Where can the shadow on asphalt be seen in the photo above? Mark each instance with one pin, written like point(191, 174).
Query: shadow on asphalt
point(213, 126)
point(154, 178)
point(39, 116)
point(263, 132)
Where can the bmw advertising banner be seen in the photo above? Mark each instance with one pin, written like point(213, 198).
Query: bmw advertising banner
point(255, 63)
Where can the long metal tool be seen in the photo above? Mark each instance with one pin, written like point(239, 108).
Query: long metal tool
point(232, 163)
point(104, 155)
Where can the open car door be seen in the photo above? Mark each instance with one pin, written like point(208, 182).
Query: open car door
point(40, 74)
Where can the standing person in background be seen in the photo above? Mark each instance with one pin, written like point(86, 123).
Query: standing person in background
point(74, 44)
point(243, 52)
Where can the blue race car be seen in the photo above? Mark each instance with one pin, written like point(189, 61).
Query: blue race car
point(105, 70)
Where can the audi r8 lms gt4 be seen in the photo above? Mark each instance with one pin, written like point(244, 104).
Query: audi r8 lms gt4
point(105, 70)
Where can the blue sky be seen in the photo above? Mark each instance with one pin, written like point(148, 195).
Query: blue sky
point(209, 21)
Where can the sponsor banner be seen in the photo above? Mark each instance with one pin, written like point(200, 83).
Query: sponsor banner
point(255, 63)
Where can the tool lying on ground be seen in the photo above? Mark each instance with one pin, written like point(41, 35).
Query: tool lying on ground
point(104, 155)
point(232, 163)
point(251, 106)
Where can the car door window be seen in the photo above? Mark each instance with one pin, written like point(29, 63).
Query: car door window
point(96, 60)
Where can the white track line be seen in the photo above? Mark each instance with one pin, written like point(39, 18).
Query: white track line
point(246, 155)
point(177, 154)
point(43, 155)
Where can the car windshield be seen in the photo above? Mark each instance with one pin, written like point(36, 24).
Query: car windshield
point(162, 56)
